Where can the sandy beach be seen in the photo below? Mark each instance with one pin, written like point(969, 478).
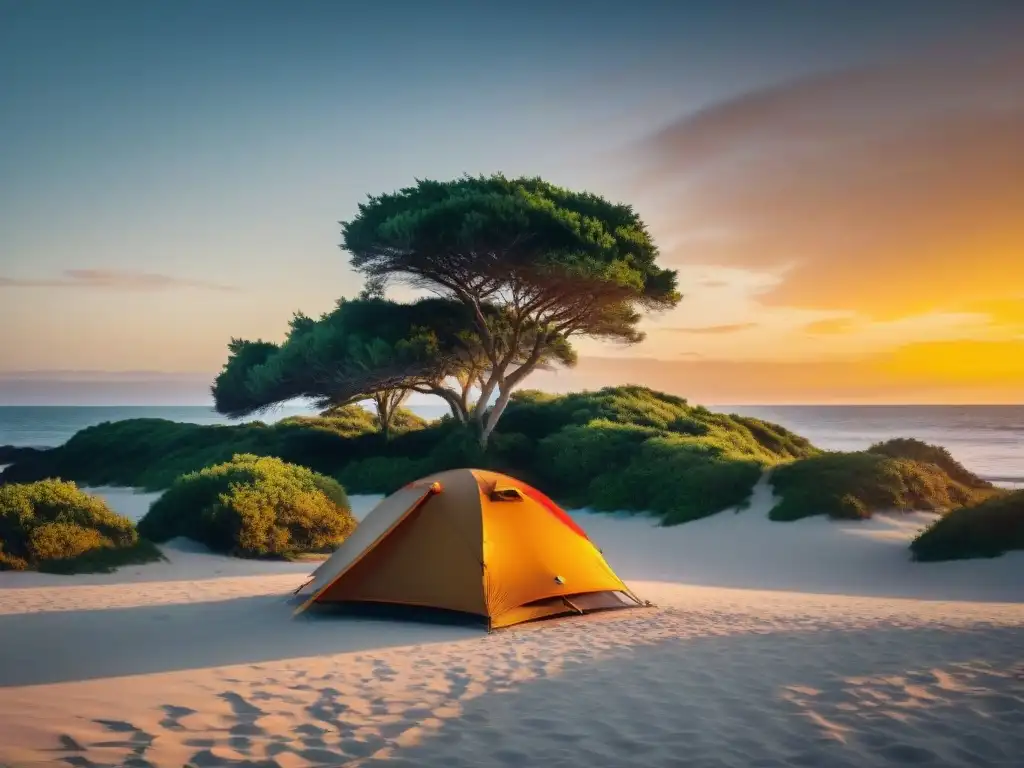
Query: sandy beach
point(810, 643)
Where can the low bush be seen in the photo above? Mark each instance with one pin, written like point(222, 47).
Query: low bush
point(52, 525)
point(632, 449)
point(354, 421)
point(627, 448)
point(11, 454)
point(619, 448)
point(379, 474)
point(253, 506)
point(152, 453)
point(854, 485)
point(918, 450)
point(987, 529)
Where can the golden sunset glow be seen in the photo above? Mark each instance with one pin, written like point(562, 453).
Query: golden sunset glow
point(847, 230)
point(860, 234)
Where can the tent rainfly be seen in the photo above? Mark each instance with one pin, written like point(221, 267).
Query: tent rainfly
point(475, 542)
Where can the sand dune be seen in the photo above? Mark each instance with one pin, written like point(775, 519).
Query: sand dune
point(195, 662)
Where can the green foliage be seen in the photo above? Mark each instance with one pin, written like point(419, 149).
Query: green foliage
point(986, 529)
point(623, 448)
point(152, 453)
point(379, 474)
point(146, 453)
point(578, 454)
point(51, 525)
point(253, 506)
point(777, 439)
point(533, 233)
point(853, 485)
point(379, 350)
point(448, 447)
point(917, 450)
point(354, 420)
point(680, 479)
point(231, 390)
point(367, 348)
point(11, 454)
point(554, 262)
point(619, 448)
point(667, 457)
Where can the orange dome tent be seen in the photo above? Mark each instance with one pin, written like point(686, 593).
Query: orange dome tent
point(471, 541)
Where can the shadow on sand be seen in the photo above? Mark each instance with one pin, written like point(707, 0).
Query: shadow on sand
point(568, 695)
point(66, 646)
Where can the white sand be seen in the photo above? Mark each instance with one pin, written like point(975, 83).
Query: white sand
point(197, 661)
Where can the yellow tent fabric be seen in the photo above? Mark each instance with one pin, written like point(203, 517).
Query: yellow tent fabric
point(472, 541)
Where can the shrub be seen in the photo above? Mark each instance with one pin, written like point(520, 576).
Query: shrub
point(987, 529)
point(680, 479)
point(774, 438)
point(583, 448)
point(51, 525)
point(153, 453)
point(377, 474)
point(354, 420)
point(573, 458)
point(253, 506)
point(853, 485)
point(617, 448)
point(917, 450)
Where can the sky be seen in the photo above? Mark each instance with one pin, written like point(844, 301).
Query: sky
point(837, 182)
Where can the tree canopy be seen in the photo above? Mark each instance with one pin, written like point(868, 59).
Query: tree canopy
point(551, 263)
point(366, 349)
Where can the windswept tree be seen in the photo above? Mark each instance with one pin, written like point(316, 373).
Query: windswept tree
point(550, 263)
point(366, 349)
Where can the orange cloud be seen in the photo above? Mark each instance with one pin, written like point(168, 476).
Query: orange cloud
point(893, 190)
point(122, 280)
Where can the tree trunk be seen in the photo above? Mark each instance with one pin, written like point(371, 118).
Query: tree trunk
point(458, 413)
point(486, 390)
point(464, 387)
point(384, 413)
point(387, 403)
point(506, 385)
point(492, 418)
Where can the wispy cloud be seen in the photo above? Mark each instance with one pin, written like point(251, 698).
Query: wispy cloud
point(716, 329)
point(889, 190)
point(713, 283)
point(112, 279)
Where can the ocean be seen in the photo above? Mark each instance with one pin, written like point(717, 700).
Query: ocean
point(989, 440)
